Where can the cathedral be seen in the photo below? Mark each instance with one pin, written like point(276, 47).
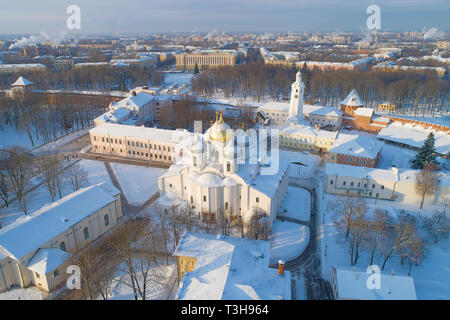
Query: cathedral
point(220, 178)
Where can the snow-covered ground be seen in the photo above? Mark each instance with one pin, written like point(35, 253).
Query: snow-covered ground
point(431, 277)
point(289, 240)
point(137, 182)
point(177, 79)
point(40, 196)
point(10, 136)
point(31, 293)
point(161, 288)
point(296, 204)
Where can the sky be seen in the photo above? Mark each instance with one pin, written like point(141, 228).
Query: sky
point(148, 16)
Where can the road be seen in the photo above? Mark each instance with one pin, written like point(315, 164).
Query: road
point(307, 265)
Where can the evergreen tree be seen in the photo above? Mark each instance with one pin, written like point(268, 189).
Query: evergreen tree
point(426, 155)
point(196, 71)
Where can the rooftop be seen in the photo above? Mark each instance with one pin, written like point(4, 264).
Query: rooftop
point(352, 284)
point(51, 220)
point(356, 145)
point(230, 268)
point(153, 134)
point(353, 100)
point(415, 136)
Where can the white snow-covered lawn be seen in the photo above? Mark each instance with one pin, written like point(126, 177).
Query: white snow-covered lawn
point(31, 293)
point(96, 171)
point(289, 240)
point(296, 204)
point(159, 289)
point(137, 182)
point(178, 79)
point(431, 277)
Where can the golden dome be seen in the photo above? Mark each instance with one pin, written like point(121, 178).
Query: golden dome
point(220, 130)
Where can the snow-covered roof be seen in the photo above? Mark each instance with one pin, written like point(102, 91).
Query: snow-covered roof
point(364, 112)
point(275, 106)
point(22, 66)
point(343, 170)
point(356, 145)
point(353, 100)
point(153, 134)
point(415, 136)
point(22, 81)
point(47, 260)
point(324, 111)
point(118, 115)
point(230, 268)
point(29, 233)
point(352, 284)
point(302, 130)
point(134, 102)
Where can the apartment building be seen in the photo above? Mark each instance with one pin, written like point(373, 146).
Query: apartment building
point(204, 60)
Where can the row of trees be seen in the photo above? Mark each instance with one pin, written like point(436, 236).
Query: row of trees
point(44, 119)
point(17, 168)
point(409, 91)
point(96, 78)
point(381, 236)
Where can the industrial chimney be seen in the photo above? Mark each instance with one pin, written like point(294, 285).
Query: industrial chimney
point(281, 267)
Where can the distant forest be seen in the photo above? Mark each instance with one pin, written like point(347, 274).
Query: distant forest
point(412, 92)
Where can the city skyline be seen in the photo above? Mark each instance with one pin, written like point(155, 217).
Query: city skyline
point(198, 16)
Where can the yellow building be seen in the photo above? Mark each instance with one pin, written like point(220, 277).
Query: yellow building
point(307, 138)
point(387, 107)
point(37, 250)
point(204, 60)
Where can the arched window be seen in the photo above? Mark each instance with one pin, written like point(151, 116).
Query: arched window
point(86, 233)
point(228, 167)
point(62, 246)
point(106, 218)
point(195, 161)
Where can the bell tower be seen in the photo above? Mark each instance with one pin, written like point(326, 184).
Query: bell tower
point(296, 102)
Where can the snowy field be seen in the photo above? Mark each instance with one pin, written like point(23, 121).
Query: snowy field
point(158, 289)
point(137, 182)
point(288, 242)
point(40, 196)
point(431, 277)
point(10, 136)
point(177, 79)
point(296, 204)
point(32, 293)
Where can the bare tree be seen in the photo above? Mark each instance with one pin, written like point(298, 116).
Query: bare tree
point(18, 167)
point(76, 176)
point(258, 226)
point(401, 238)
point(50, 167)
point(344, 210)
point(437, 226)
point(375, 232)
point(427, 182)
point(358, 226)
point(4, 187)
point(123, 244)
